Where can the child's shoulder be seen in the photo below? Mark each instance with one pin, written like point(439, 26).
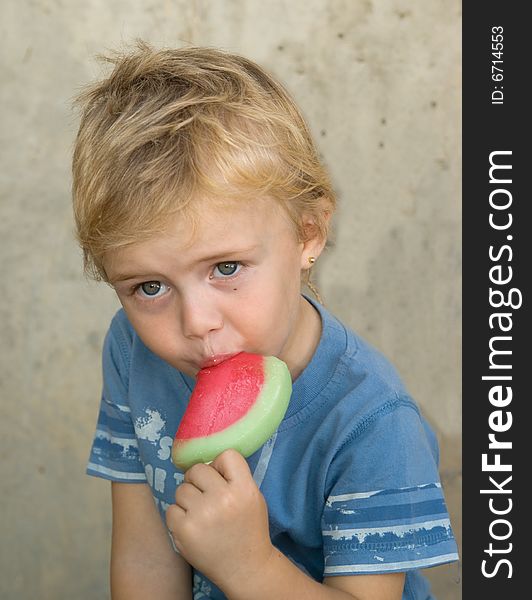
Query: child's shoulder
point(122, 345)
point(120, 324)
point(361, 360)
point(353, 387)
point(120, 334)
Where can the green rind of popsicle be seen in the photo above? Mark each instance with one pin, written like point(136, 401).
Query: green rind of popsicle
point(250, 432)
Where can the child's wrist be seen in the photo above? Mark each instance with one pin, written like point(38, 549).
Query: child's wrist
point(251, 580)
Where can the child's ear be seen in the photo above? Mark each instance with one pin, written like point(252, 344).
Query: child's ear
point(315, 238)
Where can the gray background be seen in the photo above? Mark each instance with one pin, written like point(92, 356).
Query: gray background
point(379, 82)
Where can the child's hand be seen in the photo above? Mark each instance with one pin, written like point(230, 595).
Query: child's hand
point(220, 520)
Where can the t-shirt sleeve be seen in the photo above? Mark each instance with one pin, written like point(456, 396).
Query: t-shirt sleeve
point(114, 454)
point(385, 511)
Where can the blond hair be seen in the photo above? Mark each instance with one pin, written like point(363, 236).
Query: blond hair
point(172, 125)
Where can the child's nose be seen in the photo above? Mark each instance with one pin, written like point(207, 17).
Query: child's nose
point(199, 317)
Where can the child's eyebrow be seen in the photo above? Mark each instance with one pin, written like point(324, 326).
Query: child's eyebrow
point(119, 277)
point(229, 254)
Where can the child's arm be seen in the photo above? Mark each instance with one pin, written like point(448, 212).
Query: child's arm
point(220, 525)
point(143, 562)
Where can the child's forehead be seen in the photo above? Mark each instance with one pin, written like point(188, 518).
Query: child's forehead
point(208, 218)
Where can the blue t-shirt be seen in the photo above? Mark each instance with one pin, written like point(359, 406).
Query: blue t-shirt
point(350, 477)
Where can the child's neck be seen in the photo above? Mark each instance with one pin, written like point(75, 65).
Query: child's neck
point(308, 338)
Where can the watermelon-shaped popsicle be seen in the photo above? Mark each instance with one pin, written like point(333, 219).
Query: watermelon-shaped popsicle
point(238, 404)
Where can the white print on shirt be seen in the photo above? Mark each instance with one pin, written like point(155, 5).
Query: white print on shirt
point(165, 447)
point(149, 427)
point(155, 478)
point(126, 443)
point(201, 588)
point(396, 530)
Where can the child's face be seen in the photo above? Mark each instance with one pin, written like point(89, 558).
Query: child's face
point(233, 285)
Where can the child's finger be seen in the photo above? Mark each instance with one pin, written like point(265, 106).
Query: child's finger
point(187, 496)
point(231, 465)
point(204, 477)
point(174, 517)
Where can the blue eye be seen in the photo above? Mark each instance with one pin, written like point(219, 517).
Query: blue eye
point(151, 289)
point(226, 269)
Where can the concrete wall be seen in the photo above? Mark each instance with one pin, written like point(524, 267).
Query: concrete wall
point(379, 83)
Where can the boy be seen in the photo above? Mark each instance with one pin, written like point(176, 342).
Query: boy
point(200, 198)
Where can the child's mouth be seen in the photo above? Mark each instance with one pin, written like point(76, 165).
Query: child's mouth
point(216, 359)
